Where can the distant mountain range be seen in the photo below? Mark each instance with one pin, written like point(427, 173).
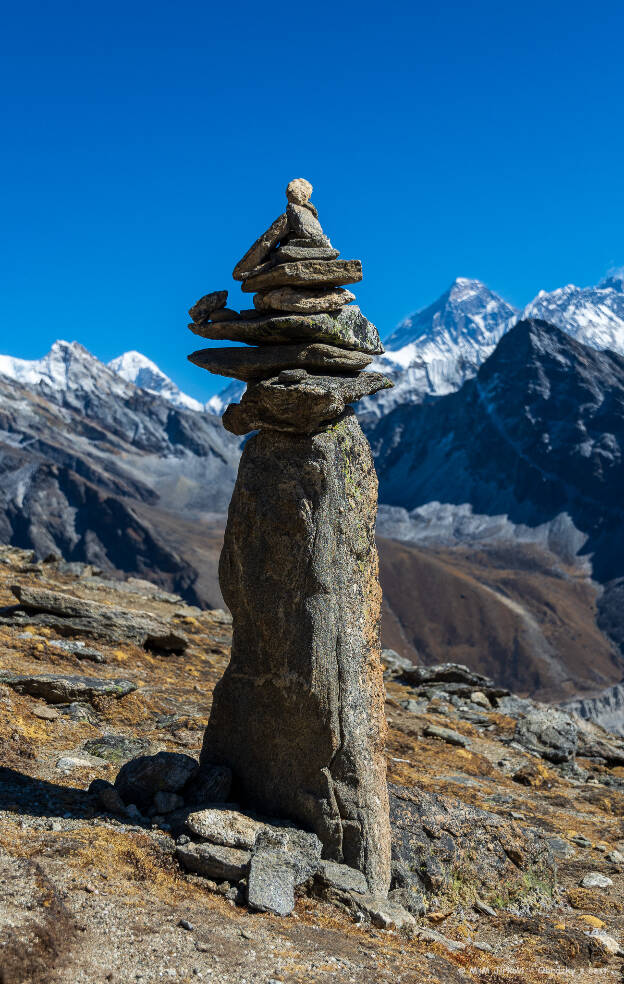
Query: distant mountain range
point(538, 432)
point(99, 470)
point(430, 353)
point(435, 350)
point(499, 460)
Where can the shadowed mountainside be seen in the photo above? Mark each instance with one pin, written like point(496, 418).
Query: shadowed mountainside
point(537, 433)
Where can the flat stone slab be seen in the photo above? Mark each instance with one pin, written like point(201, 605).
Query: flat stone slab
point(384, 913)
point(349, 329)
point(214, 861)
point(305, 273)
point(448, 735)
point(303, 301)
point(94, 618)
point(226, 827)
point(57, 689)
point(262, 362)
point(289, 252)
point(259, 251)
point(341, 877)
point(302, 406)
point(141, 778)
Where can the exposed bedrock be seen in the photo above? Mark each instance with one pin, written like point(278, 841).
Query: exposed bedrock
point(299, 713)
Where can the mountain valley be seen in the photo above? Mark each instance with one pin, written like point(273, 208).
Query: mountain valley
point(499, 464)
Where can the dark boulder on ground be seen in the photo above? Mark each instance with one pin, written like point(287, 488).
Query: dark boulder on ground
point(139, 780)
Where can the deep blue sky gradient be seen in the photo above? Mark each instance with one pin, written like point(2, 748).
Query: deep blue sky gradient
point(145, 145)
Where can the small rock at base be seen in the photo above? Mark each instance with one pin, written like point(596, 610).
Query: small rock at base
point(595, 880)
point(214, 861)
point(108, 797)
point(141, 778)
point(45, 713)
point(298, 191)
point(342, 877)
point(383, 913)
point(615, 857)
point(271, 886)
point(447, 735)
point(185, 924)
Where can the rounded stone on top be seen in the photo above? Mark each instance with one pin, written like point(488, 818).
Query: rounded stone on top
point(298, 191)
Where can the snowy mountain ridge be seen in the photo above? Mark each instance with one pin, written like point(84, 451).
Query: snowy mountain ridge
point(430, 353)
point(591, 315)
point(435, 350)
point(138, 369)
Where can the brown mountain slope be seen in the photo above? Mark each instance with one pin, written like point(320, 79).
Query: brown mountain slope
point(512, 613)
point(89, 895)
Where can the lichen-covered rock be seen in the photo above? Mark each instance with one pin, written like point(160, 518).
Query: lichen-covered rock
point(300, 300)
point(442, 845)
point(267, 360)
point(299, 572)
point(299, 405)
point(348, 328)
point(305, 273)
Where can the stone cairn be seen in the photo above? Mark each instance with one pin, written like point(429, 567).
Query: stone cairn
point(299, 713)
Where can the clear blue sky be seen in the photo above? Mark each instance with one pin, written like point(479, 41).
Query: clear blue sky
point(145, 145)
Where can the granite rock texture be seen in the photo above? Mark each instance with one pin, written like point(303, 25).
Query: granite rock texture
point(348, 328)
point(258, 252)
point(315, 300)
point(299, 404)
point(299, 574)
point(257, 363)
point(306, 273)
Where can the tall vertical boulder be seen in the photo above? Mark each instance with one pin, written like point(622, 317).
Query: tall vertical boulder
point(299, 713)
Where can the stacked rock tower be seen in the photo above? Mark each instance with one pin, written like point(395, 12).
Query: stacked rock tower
point(299, 713)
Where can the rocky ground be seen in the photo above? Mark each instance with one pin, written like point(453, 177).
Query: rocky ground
point(508, 818)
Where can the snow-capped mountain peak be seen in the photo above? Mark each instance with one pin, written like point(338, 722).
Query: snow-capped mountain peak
point(592, 315)
point(52, 369)
point(68, 367)
point(467, 315)
point(138, 369)
point(434, 350)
